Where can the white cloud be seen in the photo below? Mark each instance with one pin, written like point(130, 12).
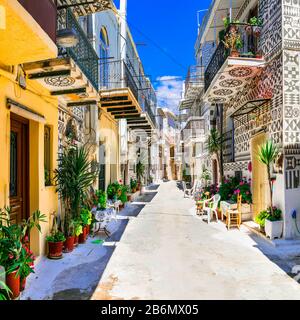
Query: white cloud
point(168, 92)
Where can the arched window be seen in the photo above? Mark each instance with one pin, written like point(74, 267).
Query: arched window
point(104, 67)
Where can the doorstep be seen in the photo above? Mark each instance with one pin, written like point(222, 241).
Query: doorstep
point(278, 243)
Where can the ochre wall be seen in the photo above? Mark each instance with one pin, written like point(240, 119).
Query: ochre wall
point(109, 132)
point(40, 197)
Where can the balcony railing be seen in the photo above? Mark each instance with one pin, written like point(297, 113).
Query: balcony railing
point(83, 53)
point(195, 127)
point(228, 147)
point(44, 13)
point(248, 49)
point(194, 78)
point(204, 24)
point(148, 109)
point(111, 77)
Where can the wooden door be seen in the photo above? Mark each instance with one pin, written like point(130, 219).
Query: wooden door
point(19, 169)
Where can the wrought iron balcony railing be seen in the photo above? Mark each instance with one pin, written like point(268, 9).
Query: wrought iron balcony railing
point(119, 74)
point(83, 53)
point(203, 25)
point(248, 48)
point(194, 79)
point(44, 13)
point(228, 147)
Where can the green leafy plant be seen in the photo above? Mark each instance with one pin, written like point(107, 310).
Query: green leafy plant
point(56, 237)
point(74, 177)
point(4, 290)
point(78, 229)
point(255, 21)
point(86, 217)
point(261, 218)
point(239, 43)
point(101, 199)
point(214, 145)
point(267, 154)
point(206, 176)
point(244, 189)
point(226, 21)
point(123, 195)
point(13, 254)
point(113, 191)
point(271, 214)
point(140, 171)
point(133, 184)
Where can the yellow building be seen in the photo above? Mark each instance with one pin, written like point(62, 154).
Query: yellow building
point(28, 115)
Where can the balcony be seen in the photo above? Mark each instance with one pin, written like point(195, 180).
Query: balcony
point(230, 69)
point(30, 30)
point(194, 130)
point(194, 82)
point(74, 74)
point(124, 94)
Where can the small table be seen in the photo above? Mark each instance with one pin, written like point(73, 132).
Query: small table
point(226, 205)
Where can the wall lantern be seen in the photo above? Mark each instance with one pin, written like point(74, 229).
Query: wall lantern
point(67, 38)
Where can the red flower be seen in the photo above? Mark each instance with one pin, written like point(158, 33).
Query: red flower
point(10, 256)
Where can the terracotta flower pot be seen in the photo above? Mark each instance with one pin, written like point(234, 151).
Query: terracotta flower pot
point(76, 241)
point(129, 198)
point(82, 236)
point(69, 244)
point(22, 284)
point(13, 283)
point(234, 53)
point(55, 250)
point(88, 230)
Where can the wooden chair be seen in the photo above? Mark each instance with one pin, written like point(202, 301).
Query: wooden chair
point(234, 216)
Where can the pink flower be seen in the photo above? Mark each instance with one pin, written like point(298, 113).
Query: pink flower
point(241, 183)
point(10, 256)
point(247, 192)
point(238, 191)
point(26, 239)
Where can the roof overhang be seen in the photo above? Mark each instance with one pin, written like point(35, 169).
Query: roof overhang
point(86, 7)
point(232, 77)
point(250, 107)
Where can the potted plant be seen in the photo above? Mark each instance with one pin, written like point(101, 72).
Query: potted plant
point(70, 237)
point(260, 219)
point(274, 223)
point(101, 201)
point(248, 29)
point(123, 195)
point(140, 172)
point(86, 219)
point(55, 244)
point(256, 24)
point(14, 256)
point(133, 185)
point(78, 230)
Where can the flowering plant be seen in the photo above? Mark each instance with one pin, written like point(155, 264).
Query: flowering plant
point(244, 189)
point(271, 214)
point(14, 252)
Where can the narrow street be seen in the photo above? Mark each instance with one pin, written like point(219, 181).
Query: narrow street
point(167, 252)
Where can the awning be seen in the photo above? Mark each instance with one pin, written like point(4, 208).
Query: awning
point(24, 111)
point(186, 104)
point(249, 107)
point(86, 7)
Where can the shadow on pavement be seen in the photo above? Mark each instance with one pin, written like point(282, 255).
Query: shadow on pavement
point(132, 211)
point(152, 188)
point(81, 280)
point(117, 228)
point(146, 197)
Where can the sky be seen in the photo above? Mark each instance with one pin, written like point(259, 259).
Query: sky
point(166, 31)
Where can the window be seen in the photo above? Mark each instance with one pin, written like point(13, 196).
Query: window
point(104, 71)
point(47, 155)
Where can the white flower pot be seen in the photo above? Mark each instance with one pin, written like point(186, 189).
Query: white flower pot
point(246, 212)
point(273, 229)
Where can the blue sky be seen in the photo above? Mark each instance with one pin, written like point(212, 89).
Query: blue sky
point(169, 30)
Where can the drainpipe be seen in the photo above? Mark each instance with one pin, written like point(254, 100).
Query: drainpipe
point(123, 39)
point(230, 10)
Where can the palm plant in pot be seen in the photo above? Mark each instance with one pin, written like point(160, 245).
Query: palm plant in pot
point(267, 154)
point(214, 145)
point(86, 220)
point(74, 177)
point(140, 173)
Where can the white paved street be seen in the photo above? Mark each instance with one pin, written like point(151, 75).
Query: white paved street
point(167, 252)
